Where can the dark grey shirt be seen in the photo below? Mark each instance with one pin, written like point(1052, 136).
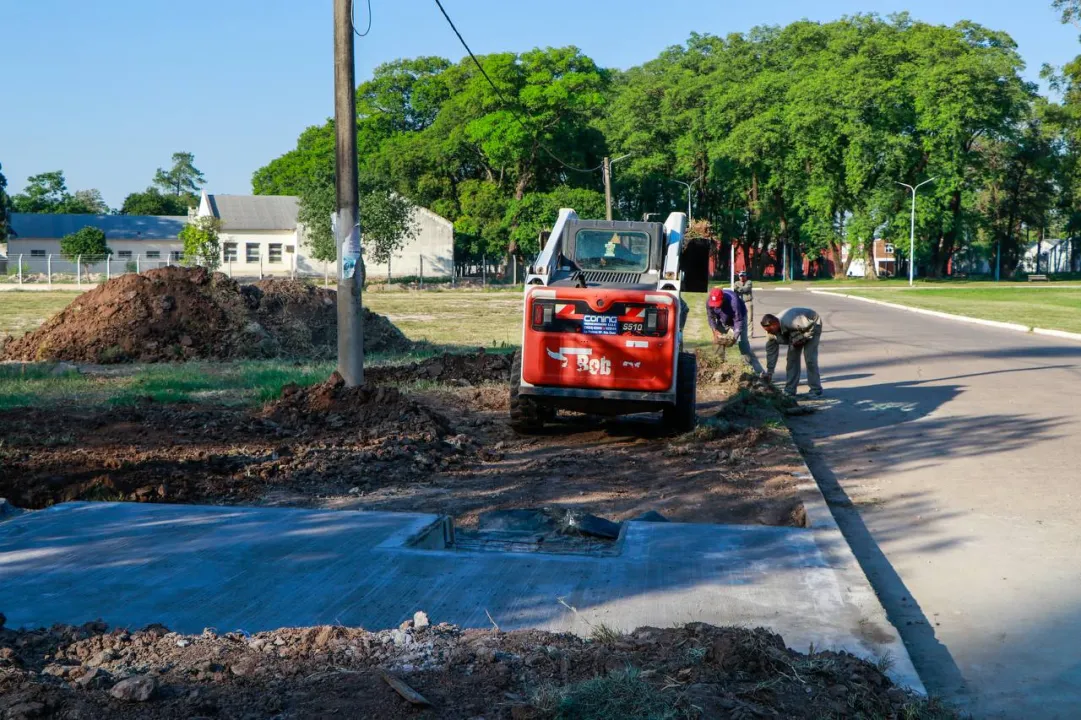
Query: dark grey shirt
point(745, 290)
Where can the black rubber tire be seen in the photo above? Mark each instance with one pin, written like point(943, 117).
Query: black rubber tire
point(526, 416)
point(683, 417)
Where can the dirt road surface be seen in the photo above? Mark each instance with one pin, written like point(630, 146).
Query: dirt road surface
point(950, 455)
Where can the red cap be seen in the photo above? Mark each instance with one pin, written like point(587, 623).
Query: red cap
point(716, 298)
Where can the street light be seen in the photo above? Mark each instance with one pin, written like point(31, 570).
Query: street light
point(912, 236)
point(688, 186)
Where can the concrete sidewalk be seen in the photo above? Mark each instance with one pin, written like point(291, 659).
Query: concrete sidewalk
point(191, 567)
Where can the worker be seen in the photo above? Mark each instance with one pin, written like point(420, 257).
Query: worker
point(799, 329)
point(745, 290)
point(727, 316)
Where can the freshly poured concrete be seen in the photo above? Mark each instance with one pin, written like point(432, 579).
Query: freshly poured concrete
point(192, 567)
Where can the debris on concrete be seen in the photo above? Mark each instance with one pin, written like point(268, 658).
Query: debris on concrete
point(586, 524)
point(650, 516)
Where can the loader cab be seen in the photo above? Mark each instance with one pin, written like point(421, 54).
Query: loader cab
point(610, 253)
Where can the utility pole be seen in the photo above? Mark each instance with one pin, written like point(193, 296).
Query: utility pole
point(607, 170)
point(607, 165)
point(912, 235)
point(347, 217)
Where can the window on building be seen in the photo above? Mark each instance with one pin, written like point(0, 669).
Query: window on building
point(889, 248)
point(290, 249)
point(124, 254)
point(176, 256)
point(153, 255)
point(37, 253)
point(274, 254)
point(229, 252)
point(251, 252)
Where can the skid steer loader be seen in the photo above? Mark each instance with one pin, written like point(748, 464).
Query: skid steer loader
point(603, 322)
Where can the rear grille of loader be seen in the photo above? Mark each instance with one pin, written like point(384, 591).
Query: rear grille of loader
point(612, 278)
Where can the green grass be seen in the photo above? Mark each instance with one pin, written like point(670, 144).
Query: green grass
point(23, 310)
point(242, 383)
point(1055, 309)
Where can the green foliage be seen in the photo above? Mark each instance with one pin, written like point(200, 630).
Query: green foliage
point(182, 178)
point(200, 238)
point(88, 242)
point(48, 193)
point(796, 136)
point(153, 202)
point(1070, 9)
point(620, 695)
point(5, 208)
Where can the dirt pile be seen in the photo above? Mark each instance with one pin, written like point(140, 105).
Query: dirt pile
point(370, 410)
point(179, 313)
point(697, 671)
point(469, 369)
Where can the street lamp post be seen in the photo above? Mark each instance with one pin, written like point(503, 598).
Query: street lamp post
point(688, 186)
point(912, 234)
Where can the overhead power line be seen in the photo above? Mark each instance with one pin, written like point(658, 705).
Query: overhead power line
point(353, 18)
point(503, 100)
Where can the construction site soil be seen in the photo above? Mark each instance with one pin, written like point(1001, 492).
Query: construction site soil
point(177, 313)
point(697, 671)
point(444, 449)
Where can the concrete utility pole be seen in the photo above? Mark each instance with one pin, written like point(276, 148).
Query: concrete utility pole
point(912, 235)
point(607, 167)
point(347, 225)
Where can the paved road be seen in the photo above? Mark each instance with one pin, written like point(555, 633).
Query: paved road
point(951, 456)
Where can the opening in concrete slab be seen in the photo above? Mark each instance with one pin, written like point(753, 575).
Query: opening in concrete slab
point(523, 531)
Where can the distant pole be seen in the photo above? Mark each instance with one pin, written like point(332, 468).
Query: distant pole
point(350, 263)
point(912, 232)
point(607, 188)
point(784, 262)
point(732, 265)
point(688, 186)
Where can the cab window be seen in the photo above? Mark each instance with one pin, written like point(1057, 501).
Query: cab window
point(611, 250)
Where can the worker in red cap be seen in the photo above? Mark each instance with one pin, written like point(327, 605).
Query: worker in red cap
point(727, 317)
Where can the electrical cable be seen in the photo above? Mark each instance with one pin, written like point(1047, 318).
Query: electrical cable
point(503, 100)
point(353, 18)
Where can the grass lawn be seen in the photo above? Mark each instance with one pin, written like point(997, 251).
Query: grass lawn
point(23, 310)
point(1052, 309)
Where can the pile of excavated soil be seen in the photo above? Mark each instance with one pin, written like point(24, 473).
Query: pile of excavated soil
point(179, 313)
point(370, 410)
point(697, 671)
point(469, 369)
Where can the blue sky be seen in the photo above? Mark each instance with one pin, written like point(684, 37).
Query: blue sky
point(108, 90)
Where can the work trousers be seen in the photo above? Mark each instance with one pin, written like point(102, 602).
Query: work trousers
point(792, 369)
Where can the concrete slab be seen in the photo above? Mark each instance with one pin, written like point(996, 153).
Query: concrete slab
point(191, 567)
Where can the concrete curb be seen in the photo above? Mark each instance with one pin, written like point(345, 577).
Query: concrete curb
point(820, 521)
point(962, 318)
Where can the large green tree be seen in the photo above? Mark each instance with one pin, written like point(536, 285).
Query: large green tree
point(87, 242)
point(48, 193)
point(154, 202)
point(183, 178)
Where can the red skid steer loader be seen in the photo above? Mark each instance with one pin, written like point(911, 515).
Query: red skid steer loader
point(603, 322)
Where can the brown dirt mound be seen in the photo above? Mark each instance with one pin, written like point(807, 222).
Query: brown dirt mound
point(697, 671)
point(471, 369)
point(372, 411)
point(178, 313)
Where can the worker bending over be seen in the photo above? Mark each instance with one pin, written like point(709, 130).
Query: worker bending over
point(727, 317)
point(799, 329)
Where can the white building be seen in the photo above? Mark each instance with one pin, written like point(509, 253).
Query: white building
point(260, 236)
point(1054, 257)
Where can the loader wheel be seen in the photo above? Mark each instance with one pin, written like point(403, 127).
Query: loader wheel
point(526, 415)
point(683, 416)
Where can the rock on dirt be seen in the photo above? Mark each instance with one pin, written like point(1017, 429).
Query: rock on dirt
point(134, 689)
point(177, 313)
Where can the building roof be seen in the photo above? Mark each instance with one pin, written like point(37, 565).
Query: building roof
point(116, 227)
point(254, 212)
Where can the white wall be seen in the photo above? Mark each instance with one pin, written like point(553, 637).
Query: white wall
point(434, 244)
point(263, 239)
point(50, 246)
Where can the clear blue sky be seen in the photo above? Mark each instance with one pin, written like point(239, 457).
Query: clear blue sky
point(107, 91)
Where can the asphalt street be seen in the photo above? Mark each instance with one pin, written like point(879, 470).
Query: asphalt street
point(950, 454)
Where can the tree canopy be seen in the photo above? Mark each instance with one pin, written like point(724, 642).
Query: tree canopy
point(183, 178)
point(796, 136)
point(48, 193)
point(5, 208)
point(88, 242)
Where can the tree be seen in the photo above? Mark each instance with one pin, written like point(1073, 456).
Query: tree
point(92, 201)
point(48, 193)
point(5, 208)
point(182, 178)
point(200, 238)
point(1070, 9)
point(387, 224)
point(153, 202)
point(88, 242)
